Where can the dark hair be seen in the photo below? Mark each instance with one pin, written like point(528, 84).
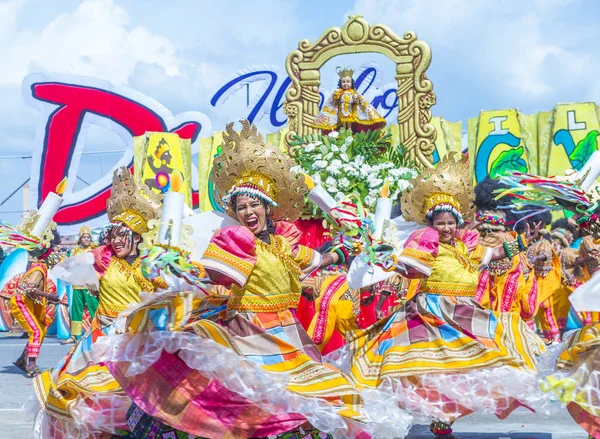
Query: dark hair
point(396, 210)
point(564, 223)
point(340, 83)
point(117, 227)
point(484, 194)
point(435, 214)
point(234, 201)
point(544, 216)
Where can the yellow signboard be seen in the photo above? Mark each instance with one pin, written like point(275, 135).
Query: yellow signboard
point(572, 137)
point(501, 141)
point(157, 155)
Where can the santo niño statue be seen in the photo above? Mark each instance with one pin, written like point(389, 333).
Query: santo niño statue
point(346, 108)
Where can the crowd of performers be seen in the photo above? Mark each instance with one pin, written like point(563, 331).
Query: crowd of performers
point(274, 343)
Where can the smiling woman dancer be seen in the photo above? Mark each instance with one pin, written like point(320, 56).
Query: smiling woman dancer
point(433, 352)
point(79, 397)
point(255, 372)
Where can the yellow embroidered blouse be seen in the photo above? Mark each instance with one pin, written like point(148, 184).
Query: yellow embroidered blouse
point(450, 270)
point(455, 272)
point(263, 277)
point(121, 285)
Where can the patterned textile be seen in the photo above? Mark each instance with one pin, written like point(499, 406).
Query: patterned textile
point(10, 289)
point(32, 318)
point(443, 333)
point(265, 277)
point(440, 333)
point(335, 312)
point(546, 320)
point(548, 272)
point(81, 299)
point(504, 285)
point(76, 375)
point(77, 380)
point(31, 312)
point(178, 395)
point(143, 426)
point(122, 285)
point(577, 379)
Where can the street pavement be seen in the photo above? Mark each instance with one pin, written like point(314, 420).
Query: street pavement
point(15, 391)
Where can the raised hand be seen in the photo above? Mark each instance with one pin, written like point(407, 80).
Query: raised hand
point(532, 235)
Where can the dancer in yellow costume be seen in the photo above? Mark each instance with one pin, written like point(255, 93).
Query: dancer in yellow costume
point(547, 269)
point(82, 297)
point(77, 384)
point(504, 285)
point(442, 344)
point(572, 274)
point(256, 357)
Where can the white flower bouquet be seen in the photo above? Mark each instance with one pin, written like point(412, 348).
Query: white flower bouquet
point(360, 164)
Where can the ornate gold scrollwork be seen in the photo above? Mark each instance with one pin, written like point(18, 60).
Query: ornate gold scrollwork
point(415, 92)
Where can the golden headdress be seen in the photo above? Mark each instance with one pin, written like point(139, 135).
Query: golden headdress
point(344, 73)
point(248, 166)
point(85, 230)
point(131, 203)
point(446, 187)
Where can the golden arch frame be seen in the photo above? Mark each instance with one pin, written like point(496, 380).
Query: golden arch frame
point(415, 91)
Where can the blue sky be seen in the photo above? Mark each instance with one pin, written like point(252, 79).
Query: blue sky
point(528, 54)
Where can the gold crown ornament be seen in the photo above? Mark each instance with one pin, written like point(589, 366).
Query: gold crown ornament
point(131, 203)
point(446, 187)
point(247, 166)
point(344, 73)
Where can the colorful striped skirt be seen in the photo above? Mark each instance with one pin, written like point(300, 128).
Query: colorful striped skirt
point(443, 357)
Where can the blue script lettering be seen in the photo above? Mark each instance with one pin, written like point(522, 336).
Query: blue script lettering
point(271, 97)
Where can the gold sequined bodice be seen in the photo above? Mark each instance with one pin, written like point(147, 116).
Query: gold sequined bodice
point(274, 283)
point(120, 286)
point(454, 273)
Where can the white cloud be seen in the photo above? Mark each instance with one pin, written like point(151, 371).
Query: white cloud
point(518, 49)
point(92, 40)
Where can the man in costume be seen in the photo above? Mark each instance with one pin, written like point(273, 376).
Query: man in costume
point(82, 297)
point(347, 109)
point(29, 304)
point(32, 294)
point(442, 344)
